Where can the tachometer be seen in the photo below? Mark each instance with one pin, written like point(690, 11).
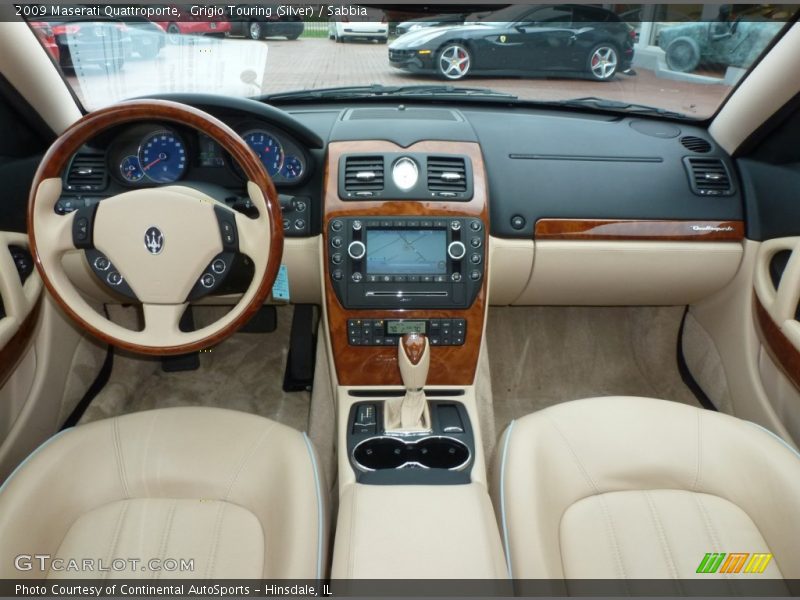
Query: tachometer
point(267, 148)
point(130, 169)
point(162, 156)
point(292, 167)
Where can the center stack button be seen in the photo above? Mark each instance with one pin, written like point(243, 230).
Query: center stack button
point(356, 250)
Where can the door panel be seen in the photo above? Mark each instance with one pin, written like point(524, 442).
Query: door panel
point(776, 313)
point(19, 305)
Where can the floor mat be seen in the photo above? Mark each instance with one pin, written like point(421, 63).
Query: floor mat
point(245, 372)
point(540, 356)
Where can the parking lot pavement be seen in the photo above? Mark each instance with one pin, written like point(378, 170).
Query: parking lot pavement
point(318, 63)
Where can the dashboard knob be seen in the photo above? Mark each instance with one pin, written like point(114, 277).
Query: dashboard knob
point(456, 250)
point(356, 250)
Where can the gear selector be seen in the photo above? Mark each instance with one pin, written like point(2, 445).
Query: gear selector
point(410, 414)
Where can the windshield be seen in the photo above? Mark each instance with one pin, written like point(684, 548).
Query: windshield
point(679, 61)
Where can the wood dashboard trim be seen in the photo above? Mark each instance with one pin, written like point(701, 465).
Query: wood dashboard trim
point(378, 365)
point(777, 344)
point(639, 230)
point(15, 349)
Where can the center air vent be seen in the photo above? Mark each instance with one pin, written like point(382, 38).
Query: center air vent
point(447, 175)
point(363, 176)
point(695, 144)
point(87, 172)
point(708, 176)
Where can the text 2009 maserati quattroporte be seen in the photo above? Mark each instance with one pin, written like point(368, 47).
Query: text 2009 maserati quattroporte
point(536, 336)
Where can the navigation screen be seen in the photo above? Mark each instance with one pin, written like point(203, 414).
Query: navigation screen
point(400, 252)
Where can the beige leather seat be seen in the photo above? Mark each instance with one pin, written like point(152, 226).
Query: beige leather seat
point(636, 488)
point(236, 493)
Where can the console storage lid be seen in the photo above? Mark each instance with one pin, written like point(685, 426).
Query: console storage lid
point(418, 532)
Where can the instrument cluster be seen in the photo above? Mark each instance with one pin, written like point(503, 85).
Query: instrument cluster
point(153, 154)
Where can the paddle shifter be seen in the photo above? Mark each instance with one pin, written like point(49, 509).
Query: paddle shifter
point(410, 414)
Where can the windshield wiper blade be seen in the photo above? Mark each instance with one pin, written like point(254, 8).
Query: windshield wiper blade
point(605, 103)
point(356, 91)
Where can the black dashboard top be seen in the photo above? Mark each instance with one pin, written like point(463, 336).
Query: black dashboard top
point(540, 163)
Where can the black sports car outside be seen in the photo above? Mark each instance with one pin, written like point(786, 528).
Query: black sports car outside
point(522, 40)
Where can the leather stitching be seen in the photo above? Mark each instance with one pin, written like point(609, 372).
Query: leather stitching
point(123, 511)
point(246, 457)
point(574, 454)
point(612, 536)
point(662, 538)
point(712, 534)
point(162, 547)
point(119, 458)
point(212, 556)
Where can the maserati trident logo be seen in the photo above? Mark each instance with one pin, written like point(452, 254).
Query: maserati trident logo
point(154, 240)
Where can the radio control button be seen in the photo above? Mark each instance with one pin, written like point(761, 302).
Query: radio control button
point(475, 275)
point(372, 278)
point(207, 280)
point(337, 225)
point(337, 275)
point(456, 250)
point(475, 225)
point(400, 279)
point(440, 278)
point(427, 279)
point(475, 258)
point(357, 277)
point(218, 266)
point(455, 225)
point(337, 241)
point(356, 250)
point(413, 278)
point(357, 225)
point(456, 276)
point(300, 224)
point(475, 242)
point(286, 223)
point(336, 258)
point(101, 263)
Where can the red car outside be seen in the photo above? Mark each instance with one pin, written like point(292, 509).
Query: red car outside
point(47, 38)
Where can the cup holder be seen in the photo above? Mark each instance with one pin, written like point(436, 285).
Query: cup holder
point(434, 452)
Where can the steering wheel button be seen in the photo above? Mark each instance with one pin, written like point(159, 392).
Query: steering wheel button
point(101, 263)
point(114, 278)
point(218, 266)
point(207, 280)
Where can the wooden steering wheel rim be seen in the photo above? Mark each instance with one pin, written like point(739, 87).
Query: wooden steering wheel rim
point(58, 156)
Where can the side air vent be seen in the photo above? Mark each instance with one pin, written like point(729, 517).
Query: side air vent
point(87, 172)
point(447, 175)
point(708, 176)
point(695, 144)
point(363, 175)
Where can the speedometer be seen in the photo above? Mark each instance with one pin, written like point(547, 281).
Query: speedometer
point(267, 148)
point(162, 156)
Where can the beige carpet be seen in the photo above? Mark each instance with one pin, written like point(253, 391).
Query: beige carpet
point(541, 356)
point(245, 372)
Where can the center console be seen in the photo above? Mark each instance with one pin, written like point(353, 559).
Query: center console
point(405, 233)
point(405, 255)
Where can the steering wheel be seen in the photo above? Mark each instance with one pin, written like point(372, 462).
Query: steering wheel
point(156, 245)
